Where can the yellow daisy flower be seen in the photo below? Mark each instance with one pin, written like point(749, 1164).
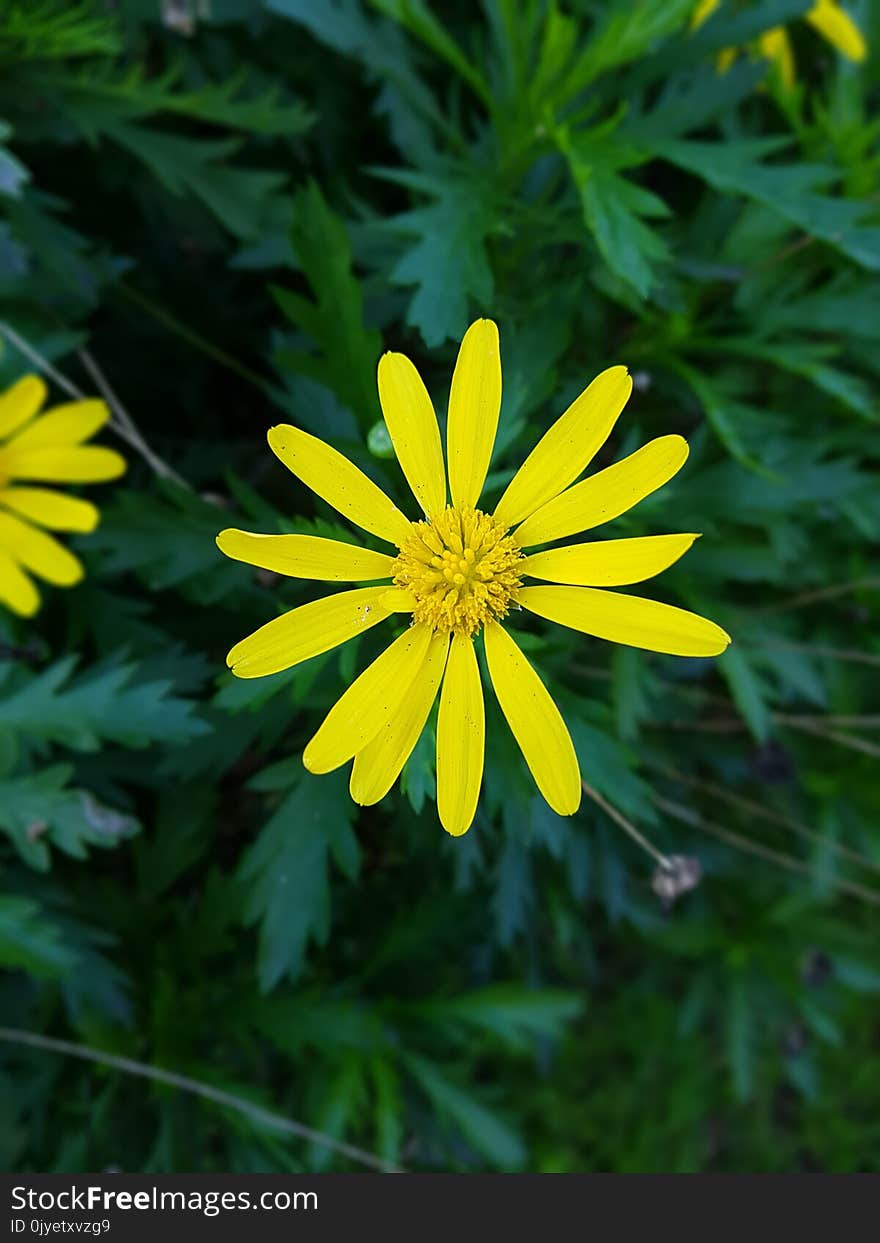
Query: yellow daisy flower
point(831, 21)
point(458, 571)
point(45, 448)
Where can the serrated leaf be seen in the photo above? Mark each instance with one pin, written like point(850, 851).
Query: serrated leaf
point(101, 94)
point(238, 197)
point(30, 941)
point(286, 873)
point(106, 702)
point(41, 808)
point(484, 1130)
point(348, 350)
point(791, 190)
point(615, 208)
point(341, 1099)
point(517, 1016)
point(447, 261)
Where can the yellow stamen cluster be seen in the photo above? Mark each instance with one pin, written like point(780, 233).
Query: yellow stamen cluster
point(461, 568)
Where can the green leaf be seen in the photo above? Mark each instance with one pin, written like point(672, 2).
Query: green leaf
point(386, 54)
point(514, 892)
point(789, 190)
point(388, 1109)
point(30, 941)
point(49, 30)
point(726, 415)
point(286, 873)
point(856, 975)
point(517, 1016)
point(349, 351)
point(418, 779)
point(627, 30)
point(739, 1038)
point(13, 174)
point(628, 687)
point(491, 1137)
point(341, 1100)
point(238, 197)
point(808, 360)
point(420, 21)
point(448, 261)
point(747, 689)
point(691, 102)
point(615, 208)
point(104, 703)
point(96, 97)
point(41, 808)
point(607, 765)
point(133, 537)
point(729, 26)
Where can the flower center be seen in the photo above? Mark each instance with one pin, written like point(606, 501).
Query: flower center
point(461, 568)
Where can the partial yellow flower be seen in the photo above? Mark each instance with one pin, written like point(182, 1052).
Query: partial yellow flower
point(832, 22)
point(45, 448)
point(459, 570)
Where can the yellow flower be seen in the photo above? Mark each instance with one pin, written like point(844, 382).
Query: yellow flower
point(46, 449)
point(832, 22)
point(459, 570)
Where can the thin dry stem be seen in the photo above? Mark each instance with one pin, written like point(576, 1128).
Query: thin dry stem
point(121, 421)
point(695, 821)
point(129, 1066)
point(766, 813)
point(628, 828)
point(821, 593)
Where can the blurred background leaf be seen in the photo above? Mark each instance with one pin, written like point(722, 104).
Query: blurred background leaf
point(230, 209)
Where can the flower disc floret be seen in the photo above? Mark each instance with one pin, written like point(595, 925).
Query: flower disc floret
point(462, 569)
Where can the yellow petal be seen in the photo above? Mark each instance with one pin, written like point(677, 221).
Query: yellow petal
point(702, 12)
point(836, 26)
point(607, 494)
point(51, 509)
point(38, 552)
point(412, 426)
point(627, 619)
point(17, 591)
point(775, 46)
point(70, 424)
point(306, 631)
point(306, 556)
point(369, 703)
point(339, 482)
point(474, 404)
point(398, 600)
point(378, 765)
point(726, 57)
point(461, 728)
point(77, 464)
point(608, 563)
point(567, 448)
point(535, 722)
point(20, 402)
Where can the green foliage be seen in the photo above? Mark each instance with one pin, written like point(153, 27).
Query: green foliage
point(446, 259)
point(40, 808)
point(233, 226)
point(335, 321)
point(285, 874)
point(103, 706)
point(27, 941)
